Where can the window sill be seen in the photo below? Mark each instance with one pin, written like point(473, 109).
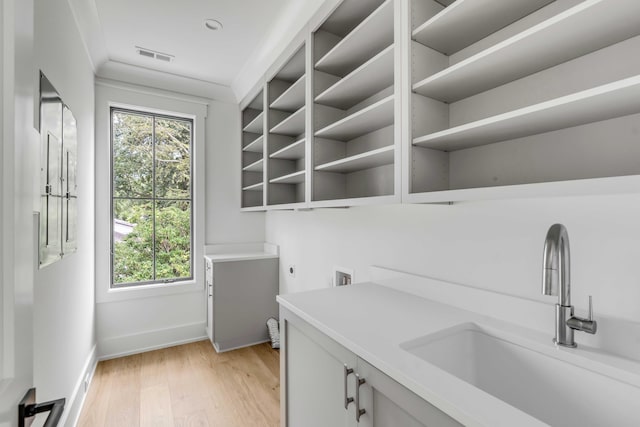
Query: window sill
point(147, 291)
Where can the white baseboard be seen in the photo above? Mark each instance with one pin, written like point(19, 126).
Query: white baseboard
point(125, 345)
point(74, 405)
point(219, 349)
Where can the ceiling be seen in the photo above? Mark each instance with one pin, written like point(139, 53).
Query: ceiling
point(176, 27)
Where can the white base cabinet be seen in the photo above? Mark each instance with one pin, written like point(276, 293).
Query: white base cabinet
point(325, 384)
point(241, 296)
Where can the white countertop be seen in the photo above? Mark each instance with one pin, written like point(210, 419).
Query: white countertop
point(372, 321)
point(240, 252)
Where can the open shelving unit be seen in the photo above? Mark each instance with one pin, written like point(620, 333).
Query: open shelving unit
point(584, 28)
point(493, 112)
point(447, 100)
point(253, 124)
point(286, 170)
point(355, 127)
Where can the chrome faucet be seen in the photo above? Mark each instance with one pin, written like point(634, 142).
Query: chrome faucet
point(556, 280)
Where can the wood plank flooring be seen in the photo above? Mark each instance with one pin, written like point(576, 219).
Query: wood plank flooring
point(187, 385)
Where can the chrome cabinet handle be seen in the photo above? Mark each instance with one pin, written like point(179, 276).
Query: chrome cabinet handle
point(359, 412)
point(347, 400)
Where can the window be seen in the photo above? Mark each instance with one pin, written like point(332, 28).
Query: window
point(151, 198)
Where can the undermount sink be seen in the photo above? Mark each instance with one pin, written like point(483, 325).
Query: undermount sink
point(554, 391)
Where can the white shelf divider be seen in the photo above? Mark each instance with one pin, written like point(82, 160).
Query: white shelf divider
point(604, 102)
point(366, 80)
point(254, 187)
point(366, 40)
point(584, 28)
point(292, 98)
point(257, 166)
point(256, 125)
point(292, 125)
point(293, 151)
point(255, 146)
point(292, 178)
point(478, 18)
point(373, 117)
point(366, 160)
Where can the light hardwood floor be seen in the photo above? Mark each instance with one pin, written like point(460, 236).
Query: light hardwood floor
point(187, 385)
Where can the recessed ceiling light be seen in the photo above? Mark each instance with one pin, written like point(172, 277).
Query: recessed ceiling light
point(213, 25)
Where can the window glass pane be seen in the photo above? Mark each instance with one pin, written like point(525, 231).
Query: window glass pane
point(173, 159)
point(173, 240)
point(132, 155)
point(132, 241)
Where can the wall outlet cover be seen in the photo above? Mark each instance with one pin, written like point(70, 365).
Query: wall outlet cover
point(342, 276)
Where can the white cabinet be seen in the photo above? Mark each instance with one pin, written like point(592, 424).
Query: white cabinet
point(389, 404)
point(208, 274)
point(241, 296)
point(325, 384)
point(315, 378)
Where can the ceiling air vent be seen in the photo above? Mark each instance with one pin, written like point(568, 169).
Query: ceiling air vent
point(165, 57)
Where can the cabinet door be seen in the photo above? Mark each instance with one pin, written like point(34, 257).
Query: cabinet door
point(313, 377)
point(209, 290)
point(389, 404)
point(244, 297)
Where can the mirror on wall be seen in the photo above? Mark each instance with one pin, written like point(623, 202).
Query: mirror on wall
point(58, 186)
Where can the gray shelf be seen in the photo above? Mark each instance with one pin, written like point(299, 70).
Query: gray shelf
point(370, 159)
point(257, 166)
point(584, 28)
point(373, 35)
point(366, 80)
point(604, 102)
point(256, 125)
point(294, 68)
point(292, 125)
point(293, 151)
point(254, 187)
point(478, 18)
point(292, 98)
point(292, 178)
point(255, 146)
point(373, 117)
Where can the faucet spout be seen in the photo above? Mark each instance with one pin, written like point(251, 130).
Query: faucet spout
point(556, 273)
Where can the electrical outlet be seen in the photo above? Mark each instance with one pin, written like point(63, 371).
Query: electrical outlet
point(342, 276)
point(292, 270)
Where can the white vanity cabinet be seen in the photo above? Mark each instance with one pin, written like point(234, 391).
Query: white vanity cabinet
point(318, 383)
point(242, 283)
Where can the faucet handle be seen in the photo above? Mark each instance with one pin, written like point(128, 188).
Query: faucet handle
point(587, 325)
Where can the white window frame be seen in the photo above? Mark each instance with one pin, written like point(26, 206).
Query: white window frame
point(112, 110)
point(112, 94)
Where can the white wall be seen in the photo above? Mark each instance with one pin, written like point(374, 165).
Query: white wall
point(64, 328)
point(18, 141)
point(494, 245)
point(136, 319)
point(225, 222)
